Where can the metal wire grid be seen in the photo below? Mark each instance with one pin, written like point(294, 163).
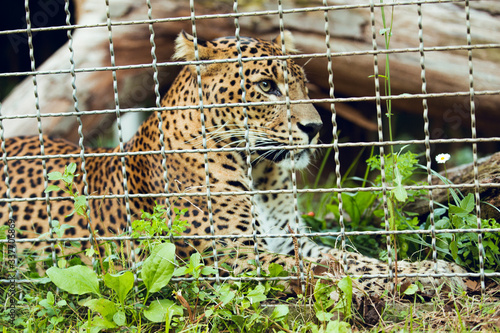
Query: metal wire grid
point(378, 98)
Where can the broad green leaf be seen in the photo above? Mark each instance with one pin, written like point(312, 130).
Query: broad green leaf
point(226, 294)
point(97, 324)
point(50, 298)
point(323, 315)
point(181, 271)
point(346, 286)
point(439, 212)
point(257, 295)
point(228, 297)
point(322, 295)
point(120, 283)
point(471, 221)
point(158, 268)
point(56, 175)
point(468, 203)
point(119, 318)
point(280, 312)
point(195, 260)
point(275, 270)
point(400, 193)
point(45, 304)
point(81, 205)
point(240, 321)
point(349, 205)
point(365, 200)
point(51, 188)
point(334, 209)
point(488, 243)
point(338, 327)
point(454, 250)
point(62, 303)
point(457, 221)
point(159, 310)
point(411, 290)
point(208, 270)
point(443, 223)
point(209, 313)
point(76, 280)
point(105, 307)
point(458, 211)
point(71, 168)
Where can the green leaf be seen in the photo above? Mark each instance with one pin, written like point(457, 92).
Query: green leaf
point(105, 307)
point(457, 221)
point(159, 310)
point(275, 270)
point(322, 295)
point(97, 324)
point(56, 175)
point(338, 326)
point(51, 188)
point(119, 318)
point(334, 209)
point(71, 168)
point(400, 193)
point(364, 200)
point(120, 283)
point(411, 290)
point(68, 178)
point(257, 295)
point(180, 271)
point(443, 223)
point(208, 270)
point(280, 312)
point(158, 268)
point(454, 250)
point(350, 207)
point(50, 298)
point(81, 205)
point(61, 263)
point(226, 294)
point(346, 286)
point(228, 297)
point(209, 313)
point(468, 203)
point(323, 315)
point(76, 280)
point(439, 212)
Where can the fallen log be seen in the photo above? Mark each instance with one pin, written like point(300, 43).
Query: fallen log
point(488, 181)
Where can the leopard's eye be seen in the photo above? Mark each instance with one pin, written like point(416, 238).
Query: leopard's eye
point(266, 85)
point(269, 87)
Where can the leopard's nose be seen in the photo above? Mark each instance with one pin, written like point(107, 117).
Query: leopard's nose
point(311, 129)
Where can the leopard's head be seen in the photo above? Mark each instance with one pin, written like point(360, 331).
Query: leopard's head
point(272, 119)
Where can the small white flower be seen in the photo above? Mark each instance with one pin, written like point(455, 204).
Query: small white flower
point(442, 158)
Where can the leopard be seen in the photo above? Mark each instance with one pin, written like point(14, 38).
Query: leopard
point(235, 127)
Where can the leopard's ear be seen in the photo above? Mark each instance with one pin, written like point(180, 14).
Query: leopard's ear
point(289, 42)
point(184, 48)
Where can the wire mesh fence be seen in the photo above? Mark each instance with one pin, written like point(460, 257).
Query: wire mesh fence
point(21, 204)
